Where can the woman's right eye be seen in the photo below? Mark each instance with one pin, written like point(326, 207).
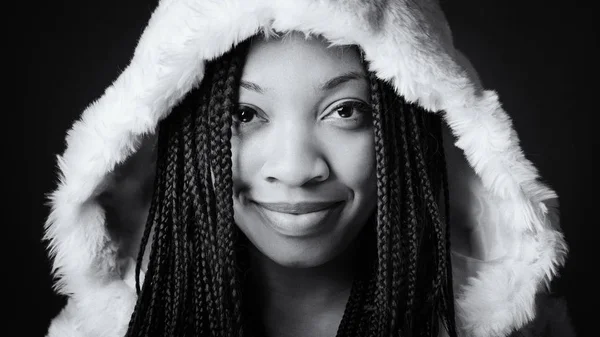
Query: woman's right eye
point(244, 114)
point(247, 118)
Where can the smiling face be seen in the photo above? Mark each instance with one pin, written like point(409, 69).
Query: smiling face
point(303, 150)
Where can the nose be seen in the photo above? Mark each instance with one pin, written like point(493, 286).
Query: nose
point(294, 158)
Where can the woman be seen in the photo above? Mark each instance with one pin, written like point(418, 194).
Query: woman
point(297, 189)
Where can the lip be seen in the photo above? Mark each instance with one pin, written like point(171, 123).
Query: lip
point(298, 207)
point(299, 219)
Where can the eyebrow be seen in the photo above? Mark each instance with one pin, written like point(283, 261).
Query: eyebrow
point(339, 80)
point(252, 86)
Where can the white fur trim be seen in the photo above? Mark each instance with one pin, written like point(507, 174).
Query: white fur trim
point(102, 311)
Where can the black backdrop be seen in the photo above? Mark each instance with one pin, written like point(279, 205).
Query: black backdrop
point(540, 57)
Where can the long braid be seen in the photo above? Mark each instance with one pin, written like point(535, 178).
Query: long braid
point(207, 221)
point(180, 242)
point(192, 206)
point(395, 184)
point(427, 188)
point(439, 281)
point(231, 98)
point(171, 221)
point(189, 191)
point(146, 304)
point(187, 222)
point(409, 224)
point(424, 294)
point(216, 166)
point(383, 222)
point(201, 248)
point(154, 323)
point(162, 237)
point(222, 105)
point(440, 296)
point(154, 274)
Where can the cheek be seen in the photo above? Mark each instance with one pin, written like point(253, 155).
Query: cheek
point(352, 158)
point(245, 158)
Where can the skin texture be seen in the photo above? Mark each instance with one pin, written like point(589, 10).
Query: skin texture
point(294, 141)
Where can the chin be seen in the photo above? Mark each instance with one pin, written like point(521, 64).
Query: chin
point(299, 260)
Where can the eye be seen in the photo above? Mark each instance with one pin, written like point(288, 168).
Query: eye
point(247, 118)
point(349, 113)
point(345, 110)
point(244, 114)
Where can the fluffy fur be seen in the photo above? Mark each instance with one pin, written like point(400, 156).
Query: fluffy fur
point(409, 44)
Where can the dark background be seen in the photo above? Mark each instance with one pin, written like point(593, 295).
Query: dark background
point(540, 57)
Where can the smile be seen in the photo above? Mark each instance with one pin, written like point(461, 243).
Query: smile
point(298, 208)
point(299, 219)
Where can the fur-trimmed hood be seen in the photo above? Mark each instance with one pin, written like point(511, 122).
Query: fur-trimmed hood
point(519, 246)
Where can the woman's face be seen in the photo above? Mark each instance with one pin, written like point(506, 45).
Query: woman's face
point(303, 150)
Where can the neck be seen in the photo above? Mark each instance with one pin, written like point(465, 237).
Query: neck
point(297, 301)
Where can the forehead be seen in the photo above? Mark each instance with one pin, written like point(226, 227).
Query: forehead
point(296, 57)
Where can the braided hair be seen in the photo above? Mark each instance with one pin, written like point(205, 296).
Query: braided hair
point(197, 266)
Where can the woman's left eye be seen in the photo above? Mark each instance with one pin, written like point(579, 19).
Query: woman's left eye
point(345, 110)
point(349, 113)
